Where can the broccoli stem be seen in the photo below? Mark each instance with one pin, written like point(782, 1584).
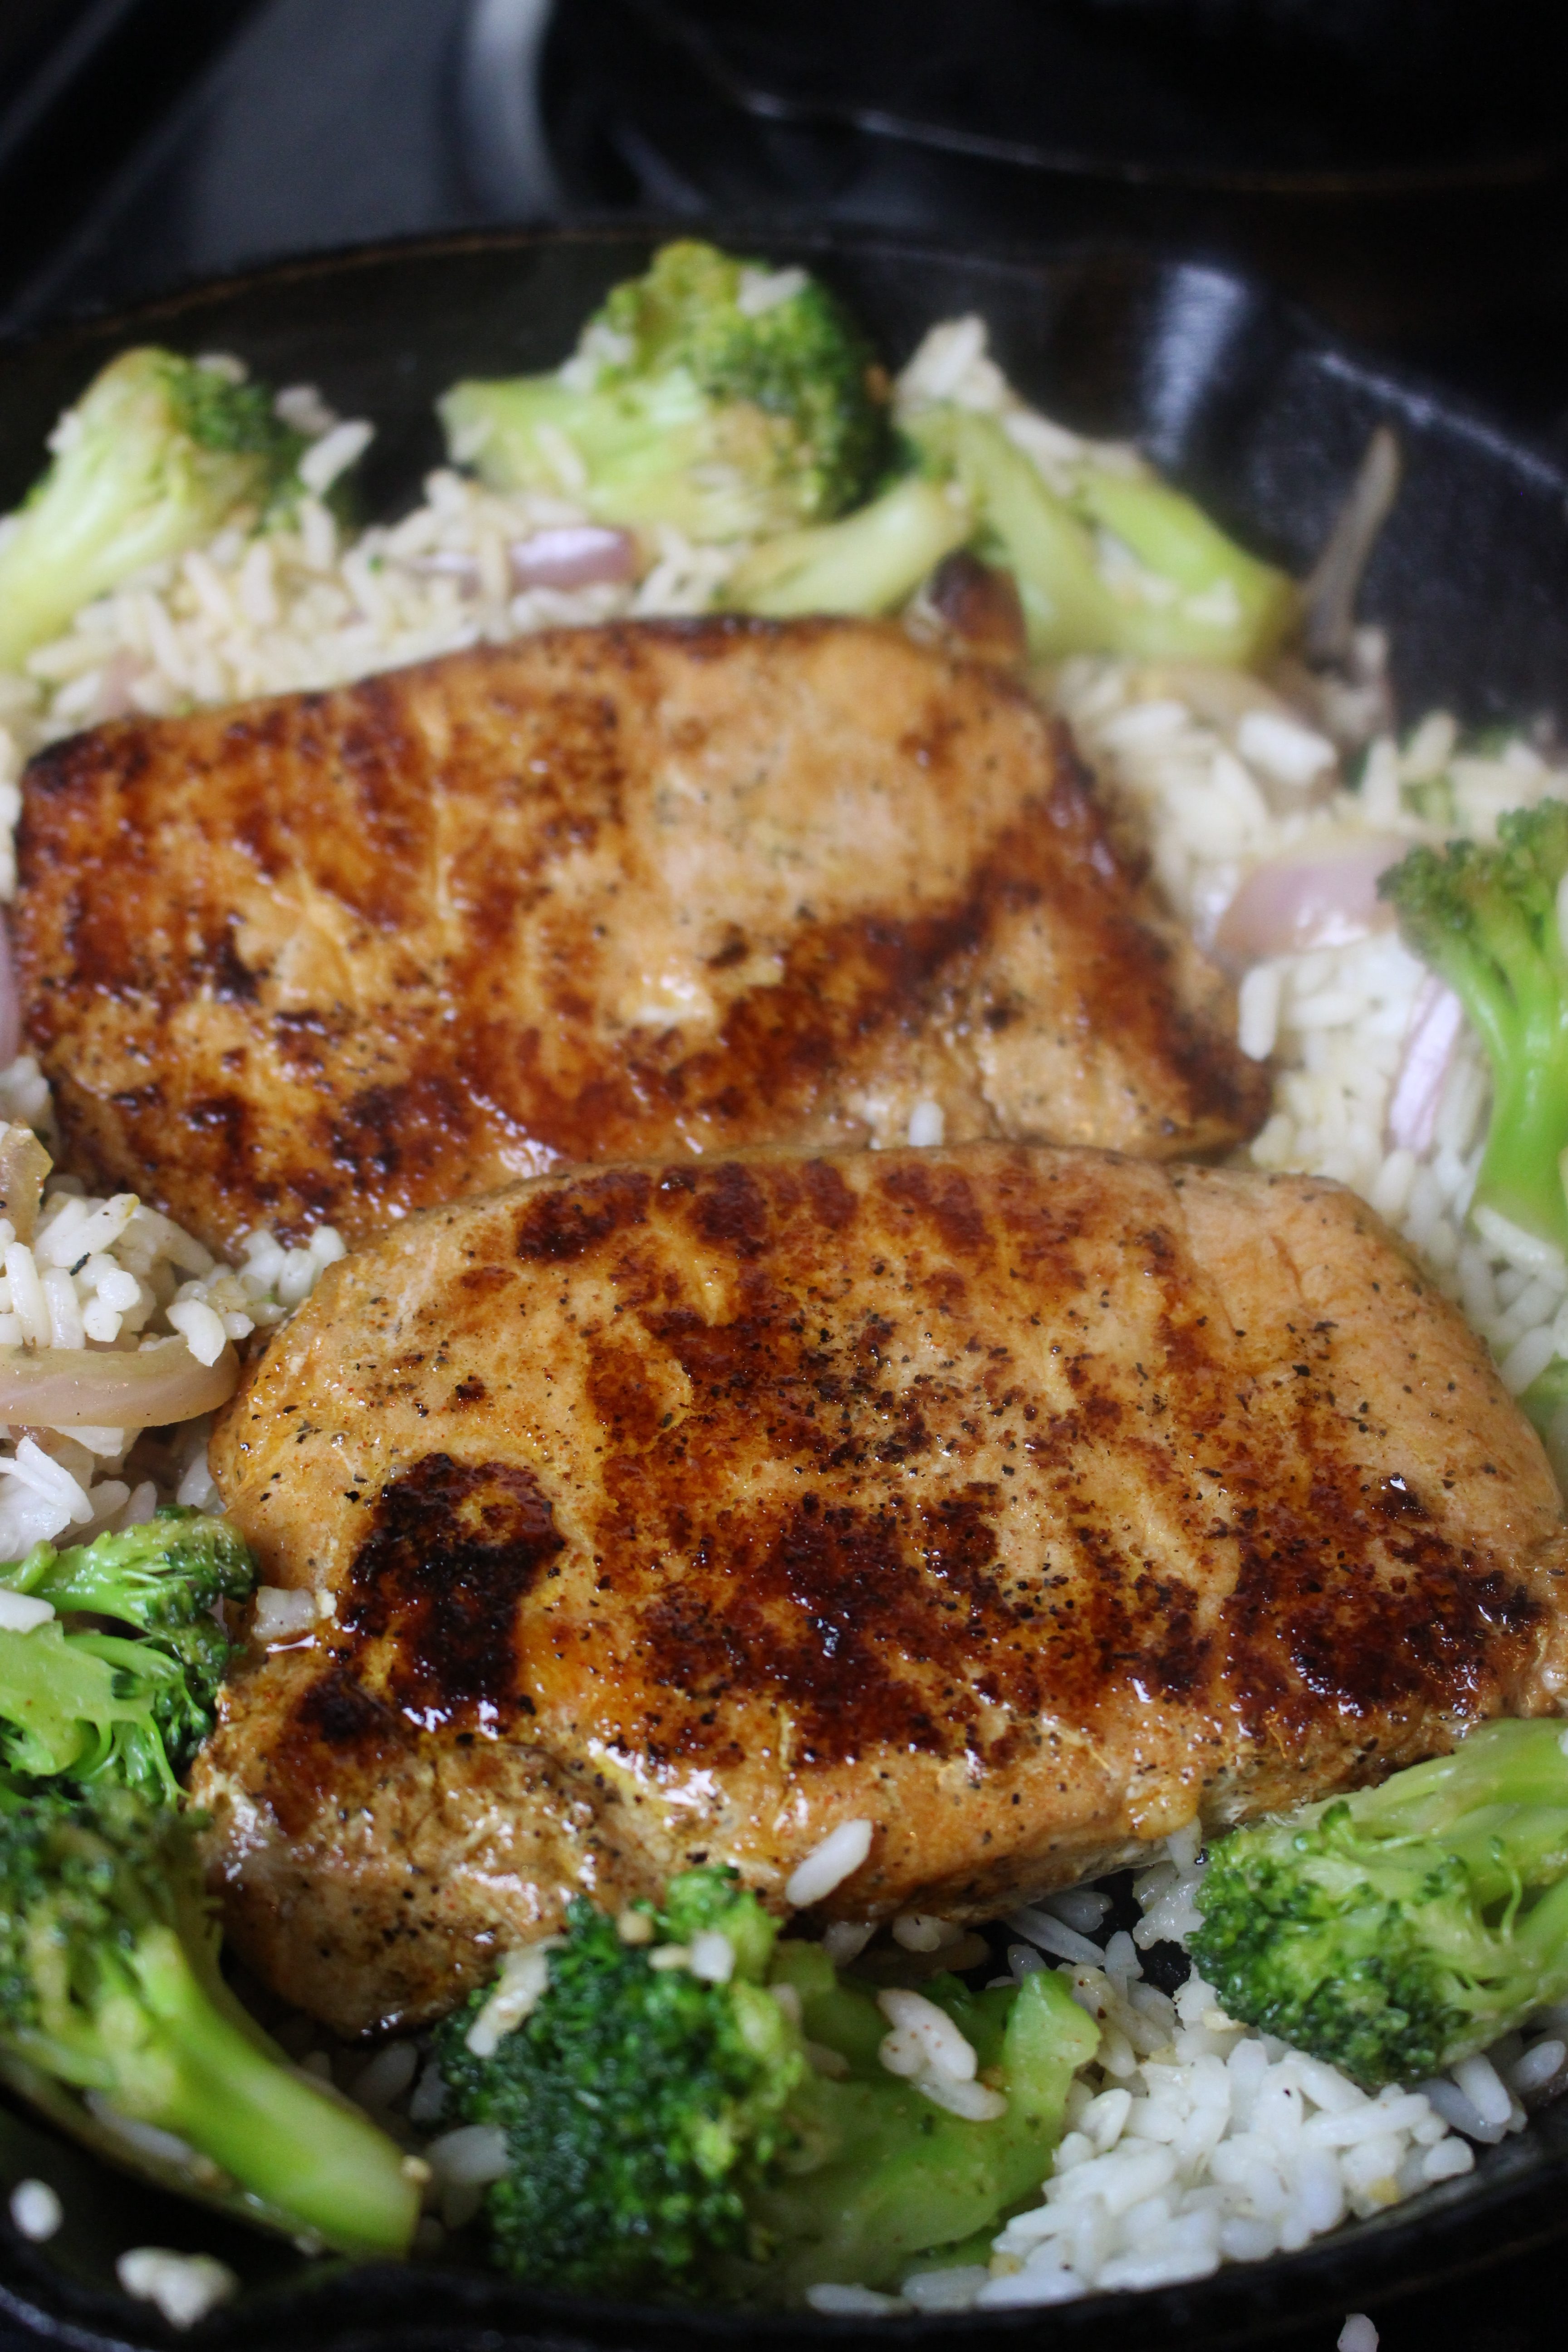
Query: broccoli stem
point(871, 562)
point(1485, 918)
point(1500, 1803)
point(1521, 1171)
point(1546, 1403)
point(1177, 542)
point(1070, 605)
point(110, 1984)
point(882, 2177)
point(1517, 995)
point(1067, 607)
point(218, 2084)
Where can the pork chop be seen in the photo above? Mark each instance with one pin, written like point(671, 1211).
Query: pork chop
point(606, 893)
point(1023, 1503)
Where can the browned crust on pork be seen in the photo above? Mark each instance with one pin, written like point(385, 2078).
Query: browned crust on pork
point(1023, 1502)
point(597, 894)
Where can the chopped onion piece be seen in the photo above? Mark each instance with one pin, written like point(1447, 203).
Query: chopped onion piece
point(1436, 1018)
point(77, 1388)
point(10, 1004)
point(1329, 592)
point(573, 555)
point(1322, 897)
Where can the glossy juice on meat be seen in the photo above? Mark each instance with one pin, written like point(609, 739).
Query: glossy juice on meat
point(1025, 1503)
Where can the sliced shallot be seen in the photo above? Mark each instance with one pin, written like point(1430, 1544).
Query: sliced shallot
point(573, 555)
point(1319, 897)
point(449, 562)
point(1436, 1018)
point(10, 1004)
point(82, 1388)
point(114, 699)
point(1329, 592)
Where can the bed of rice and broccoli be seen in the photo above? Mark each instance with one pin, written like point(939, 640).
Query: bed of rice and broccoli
point(683, 2101)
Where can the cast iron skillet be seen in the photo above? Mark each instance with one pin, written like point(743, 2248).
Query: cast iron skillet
point(1247, 404)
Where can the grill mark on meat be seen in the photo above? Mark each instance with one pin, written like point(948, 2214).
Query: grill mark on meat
point(816, 1608)
point(1310, 1623)
point(385, 1132)
point(1301, 1634)
point(489, 836)
point(233, 982)
point(334, 1721)
point(1016, 1500)
point(433, 1599)
point(732, 1211)
point(844, 986)
point(947, 1199)
point(559, 1226)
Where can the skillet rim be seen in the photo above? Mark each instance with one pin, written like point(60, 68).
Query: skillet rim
point(1447, 2233)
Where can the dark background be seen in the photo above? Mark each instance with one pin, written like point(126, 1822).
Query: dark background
point(1400, 166)
point(143, 142)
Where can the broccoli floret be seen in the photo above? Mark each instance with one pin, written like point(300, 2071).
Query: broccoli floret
point(1398, 1930)
point(877, 2176)
point(1485, 918)
point(159, 1577)
point(1188, 593)
point(156, 1576)
point(156, 456)
point(709, 394)
point(110, 1985)
point(871, 562)
point(631, 2096)
point(95, 1705)
point(666, 2133)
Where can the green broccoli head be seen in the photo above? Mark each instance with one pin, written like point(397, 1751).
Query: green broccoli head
point(632, 2096)
point(773, 341)
point(1485, 918)
point(163, 1576)
point(709, 394)
point(158, 455)
point(666, 2133)
point(110, 1984)
point(1395, 1931)
point(96, 1705)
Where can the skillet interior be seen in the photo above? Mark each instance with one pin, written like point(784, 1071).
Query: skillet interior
point(1248, 405)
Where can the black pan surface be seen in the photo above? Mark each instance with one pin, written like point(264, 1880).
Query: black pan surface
point(1250, 407)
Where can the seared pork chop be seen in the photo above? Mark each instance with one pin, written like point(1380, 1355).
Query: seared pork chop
point(1023, 1503)
point(601, 894)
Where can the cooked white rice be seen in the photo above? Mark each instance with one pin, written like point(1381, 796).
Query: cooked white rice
point(108, 1275)
point(1337, 1021)
point(1191, 2142)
